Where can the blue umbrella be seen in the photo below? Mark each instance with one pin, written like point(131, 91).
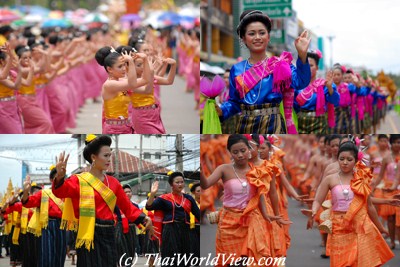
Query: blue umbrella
point(169, 18)
point(63, 23)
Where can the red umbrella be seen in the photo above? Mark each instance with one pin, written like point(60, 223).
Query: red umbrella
point(7, 15)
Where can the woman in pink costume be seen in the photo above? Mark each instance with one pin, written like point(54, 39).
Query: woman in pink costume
point(115, 89)
point(10, 121)
point(146, 115)
point(34, 117)
point(388, 173)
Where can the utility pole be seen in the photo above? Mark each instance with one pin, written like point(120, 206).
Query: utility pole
point(179, 153)
point(330, 38)
point(81, 141)
point(140, 161)
point(116, 170)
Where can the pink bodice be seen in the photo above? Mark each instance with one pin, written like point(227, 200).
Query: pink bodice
point(237, 196)
point(339, 201)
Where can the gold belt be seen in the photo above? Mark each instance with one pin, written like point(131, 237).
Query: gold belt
point(9, 98)
point(263, 112)
point(116, 121)
point(154, 106)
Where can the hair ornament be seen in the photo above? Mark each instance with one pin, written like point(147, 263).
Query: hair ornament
point(90, 138)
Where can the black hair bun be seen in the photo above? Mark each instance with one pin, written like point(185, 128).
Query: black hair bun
point(94, 146)
point(173, 175)
point(101, 54)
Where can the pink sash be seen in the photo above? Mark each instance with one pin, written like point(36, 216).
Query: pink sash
point(345, 97)
point(360, 107)
point(280, 67)
point(317, 87)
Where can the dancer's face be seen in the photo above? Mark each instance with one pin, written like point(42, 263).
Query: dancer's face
point(118, 70)
point(337, 76)
point(256, 37)
point(383, 143)
point(147, 49)
point(240, 153)
point(25, 57)
point(347, 78)
point(103, 159)
point(178, 184)
point(334, 147)
point(264, 151)
point(36, 55)
point(313, 67)
point(139, 66)
point(197, 193)
point(396, 145)
point(346, 161)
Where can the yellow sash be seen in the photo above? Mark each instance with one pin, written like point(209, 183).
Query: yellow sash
point(17, 228)
point(34, 226)
point(192, 218)
point(24, 219)
point(44, 206)
point(87, 209)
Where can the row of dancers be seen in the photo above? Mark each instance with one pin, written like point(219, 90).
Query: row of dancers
point(256, 174)
point(97, 212)
point(45, 80)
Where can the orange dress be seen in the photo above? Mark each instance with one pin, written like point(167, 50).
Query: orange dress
point(355, 240)
point(238, 232)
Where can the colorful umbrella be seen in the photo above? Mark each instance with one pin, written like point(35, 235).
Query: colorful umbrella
point(169, 18)
point(32, 18)
point(7, 15)
point(96, 17)
point(130, 17)
point(56, 14)
point(63, 23)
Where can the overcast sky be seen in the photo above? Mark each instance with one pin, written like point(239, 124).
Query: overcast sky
point(366, 31)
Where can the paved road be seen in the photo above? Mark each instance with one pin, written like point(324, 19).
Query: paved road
point(305, 250)
point(178, 113)
point(391, 124)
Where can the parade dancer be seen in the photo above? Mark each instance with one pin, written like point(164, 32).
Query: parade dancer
point(260, 84)
point(176, 208)
point(319, 98)
point(89, 207)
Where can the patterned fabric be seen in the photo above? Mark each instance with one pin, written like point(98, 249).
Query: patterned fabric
point(176, 239)
point(343, 122)
point(104, 253)
point(53, 246)
point(367, 122)
point(87, 210)
point(261, 124)
point(125, 241)
point(311, 124)
point(358, 245)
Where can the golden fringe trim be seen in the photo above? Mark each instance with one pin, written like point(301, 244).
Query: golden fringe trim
point(89, 244)
point(69, 225)
point(33, 231)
